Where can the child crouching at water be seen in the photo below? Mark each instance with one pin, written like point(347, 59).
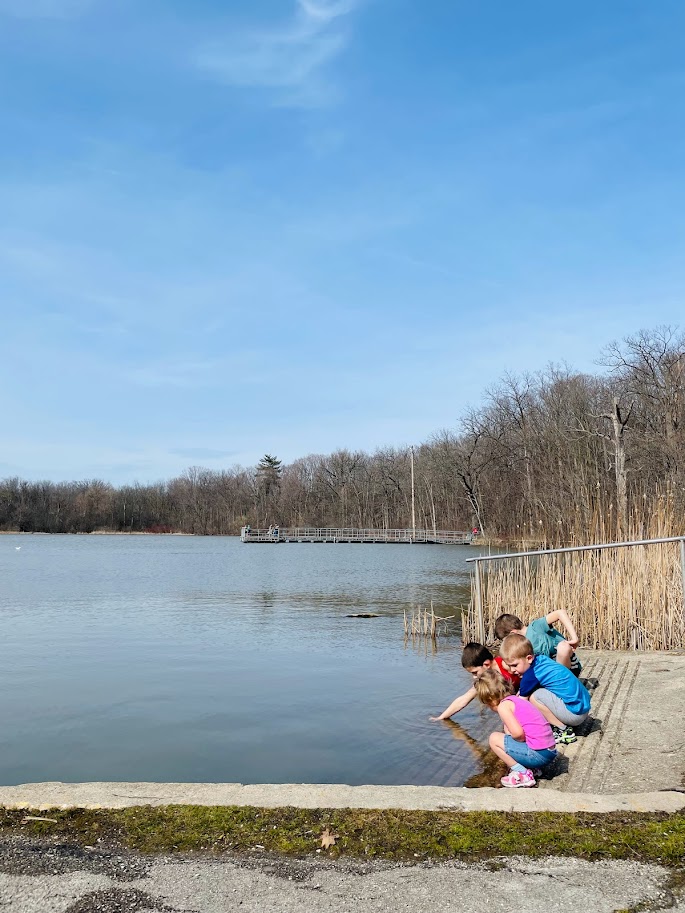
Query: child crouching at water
point(527, 741)
point(477, 659)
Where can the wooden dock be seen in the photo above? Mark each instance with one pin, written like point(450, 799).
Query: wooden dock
point(364, 536)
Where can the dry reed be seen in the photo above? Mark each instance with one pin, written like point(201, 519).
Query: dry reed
point(619, 599)
point(422, 623)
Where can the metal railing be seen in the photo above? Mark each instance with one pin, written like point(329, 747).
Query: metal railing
point(559, 551)
point(351, 534)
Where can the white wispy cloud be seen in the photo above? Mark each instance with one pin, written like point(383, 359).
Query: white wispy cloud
point(44, 9)
point(288, 60)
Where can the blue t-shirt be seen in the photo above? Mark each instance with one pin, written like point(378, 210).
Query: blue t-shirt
point(543, 637)
point(546, 673)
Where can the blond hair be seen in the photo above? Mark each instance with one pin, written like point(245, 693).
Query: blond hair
point(514, 646)
point(492, 688)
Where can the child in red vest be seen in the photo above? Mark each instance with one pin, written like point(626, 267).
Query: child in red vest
point(477, 659)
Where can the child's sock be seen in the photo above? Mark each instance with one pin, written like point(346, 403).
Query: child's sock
point(519, 769)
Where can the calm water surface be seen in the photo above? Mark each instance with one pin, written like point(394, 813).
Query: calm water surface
point(204, 659)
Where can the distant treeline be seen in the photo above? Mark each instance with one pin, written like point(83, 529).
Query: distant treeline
point(543, 457)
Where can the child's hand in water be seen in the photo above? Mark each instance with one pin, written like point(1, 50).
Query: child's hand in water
point(435, 719)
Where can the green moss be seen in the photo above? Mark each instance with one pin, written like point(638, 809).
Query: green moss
point(387, 834)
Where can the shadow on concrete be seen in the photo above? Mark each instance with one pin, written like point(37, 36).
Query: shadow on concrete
point(588, 726)
point(558, 767)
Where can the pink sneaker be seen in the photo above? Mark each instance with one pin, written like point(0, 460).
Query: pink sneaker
point(516, 778)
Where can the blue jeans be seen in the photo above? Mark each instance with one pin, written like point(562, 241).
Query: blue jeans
point(529, 757)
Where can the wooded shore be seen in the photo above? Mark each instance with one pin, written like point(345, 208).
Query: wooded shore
point(548, 458)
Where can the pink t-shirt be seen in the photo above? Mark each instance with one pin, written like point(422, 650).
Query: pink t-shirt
point(536, 729)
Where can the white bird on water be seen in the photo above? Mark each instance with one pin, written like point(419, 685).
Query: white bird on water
point(17, 548)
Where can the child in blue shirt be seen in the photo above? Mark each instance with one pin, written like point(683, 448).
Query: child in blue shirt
point(562, 699)
point(545, 639)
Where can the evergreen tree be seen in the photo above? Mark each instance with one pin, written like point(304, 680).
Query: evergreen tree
point(269, 474)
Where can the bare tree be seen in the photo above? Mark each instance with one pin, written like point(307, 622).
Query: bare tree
point(649, 368)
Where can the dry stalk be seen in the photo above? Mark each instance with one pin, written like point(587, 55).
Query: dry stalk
point(619, 599)
point(425, 624)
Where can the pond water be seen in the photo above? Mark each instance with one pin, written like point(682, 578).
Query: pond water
point(173, 658)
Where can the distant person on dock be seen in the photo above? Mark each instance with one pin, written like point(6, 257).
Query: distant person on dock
point(546, 640)
point(477, 660)
point(271, 530)
point(561, 698)
point(527, 741)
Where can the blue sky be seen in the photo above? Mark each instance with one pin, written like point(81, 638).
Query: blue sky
point(235, 228)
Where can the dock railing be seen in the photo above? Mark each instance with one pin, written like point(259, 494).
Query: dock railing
point(351, 534)
point(645, 593)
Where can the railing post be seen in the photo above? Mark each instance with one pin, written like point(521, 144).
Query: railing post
point(479, 605)
point(682, 568)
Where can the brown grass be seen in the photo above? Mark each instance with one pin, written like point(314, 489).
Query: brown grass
point(422, 623)
point(619, 599)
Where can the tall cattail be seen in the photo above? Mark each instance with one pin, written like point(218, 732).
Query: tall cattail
point(619, 599)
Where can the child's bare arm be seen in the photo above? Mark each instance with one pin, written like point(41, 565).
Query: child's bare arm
point(563, 616)
point(511, 724)
point(457, 704)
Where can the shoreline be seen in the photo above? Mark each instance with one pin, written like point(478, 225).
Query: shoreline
point(104, 532)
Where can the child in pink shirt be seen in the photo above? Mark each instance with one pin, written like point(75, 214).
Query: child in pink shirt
point(527, 741)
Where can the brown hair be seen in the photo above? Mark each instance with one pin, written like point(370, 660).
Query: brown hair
point(475, 655)
point(492, 688)
point(507, 623)
point(515, 647)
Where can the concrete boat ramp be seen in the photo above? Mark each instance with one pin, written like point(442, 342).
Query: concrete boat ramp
point(634, 739)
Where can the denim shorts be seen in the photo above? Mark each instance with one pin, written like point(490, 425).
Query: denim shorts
point(529, 757)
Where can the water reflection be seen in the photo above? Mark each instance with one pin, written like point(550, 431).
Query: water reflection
point(491, 767)
point(267, 600)
point(421, 646)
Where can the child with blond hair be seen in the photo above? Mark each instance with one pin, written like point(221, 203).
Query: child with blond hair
point(560, 697)
point(527, 741)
